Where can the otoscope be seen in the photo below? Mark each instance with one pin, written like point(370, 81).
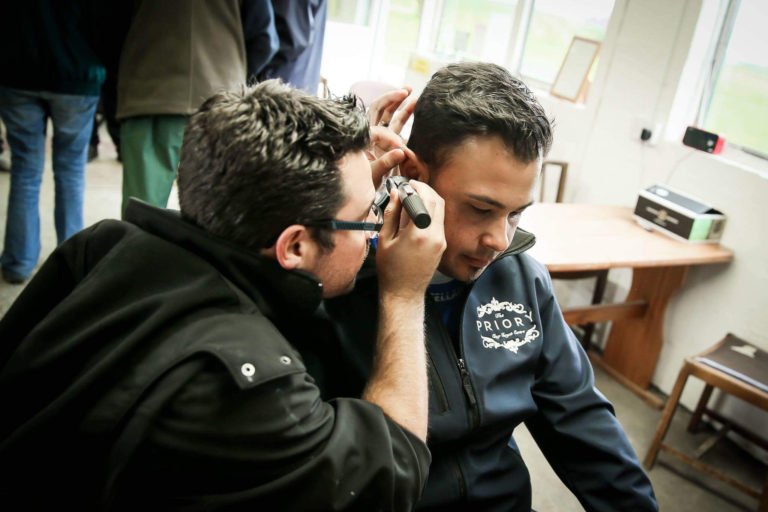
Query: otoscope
point(408, 196)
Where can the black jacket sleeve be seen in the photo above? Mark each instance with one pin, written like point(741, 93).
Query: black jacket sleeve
point(56, 279)
point(219, 447)
point(575, 426)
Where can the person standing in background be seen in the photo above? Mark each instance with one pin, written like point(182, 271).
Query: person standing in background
point(52, 73)
point(176, 54)
point(301, 29)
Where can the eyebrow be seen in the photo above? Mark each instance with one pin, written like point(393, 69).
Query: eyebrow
point(495, 203)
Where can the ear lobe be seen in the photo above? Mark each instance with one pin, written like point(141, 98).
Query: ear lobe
point(413, 168)
point(294, 248)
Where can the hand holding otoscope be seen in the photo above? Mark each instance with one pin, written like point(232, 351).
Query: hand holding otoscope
point(408, 196)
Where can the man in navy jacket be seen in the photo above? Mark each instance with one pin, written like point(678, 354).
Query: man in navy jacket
point(500, 352)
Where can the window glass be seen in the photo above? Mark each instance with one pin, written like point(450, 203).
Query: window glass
point(350, 11)
point(401, 34)
point(738, 108)
point(475, 30)
point(552, 27)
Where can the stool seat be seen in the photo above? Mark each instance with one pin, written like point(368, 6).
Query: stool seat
point(735, 367)
point(739, 359)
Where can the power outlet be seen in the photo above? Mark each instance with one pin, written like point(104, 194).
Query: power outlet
point(650, 135)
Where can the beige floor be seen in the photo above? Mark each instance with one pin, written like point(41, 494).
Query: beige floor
point(677, 488)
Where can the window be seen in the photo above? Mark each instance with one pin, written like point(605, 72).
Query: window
point(552, 27)
point(379, 38)
point(735, 104)
point(478, 30)
point(349, 11)
point(401, 35)
point(369, 40)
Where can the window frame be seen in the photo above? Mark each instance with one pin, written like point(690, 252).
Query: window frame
point(730, 11)
point(431, 16)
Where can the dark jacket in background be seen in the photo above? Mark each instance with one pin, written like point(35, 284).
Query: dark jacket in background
point(301, 29)
point(47, 45)
point(177, 53)
point(261, 41)
point(141, 369)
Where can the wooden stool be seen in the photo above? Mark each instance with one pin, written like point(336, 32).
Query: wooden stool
point(736, 367)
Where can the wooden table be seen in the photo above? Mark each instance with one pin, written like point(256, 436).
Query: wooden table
point(579, 237)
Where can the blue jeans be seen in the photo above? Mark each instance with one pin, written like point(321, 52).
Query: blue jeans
point(25, 114)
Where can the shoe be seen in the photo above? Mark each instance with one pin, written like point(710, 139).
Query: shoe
point(11, 278)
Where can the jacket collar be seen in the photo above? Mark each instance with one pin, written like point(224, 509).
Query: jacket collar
point(521, 242)
point(261, 278)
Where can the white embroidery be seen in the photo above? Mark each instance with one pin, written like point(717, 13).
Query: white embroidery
point(505, 325)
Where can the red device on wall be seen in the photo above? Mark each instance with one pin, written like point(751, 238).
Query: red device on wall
point(703, 140)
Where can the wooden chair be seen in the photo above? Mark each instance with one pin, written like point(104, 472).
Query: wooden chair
point(735, 367)
point(600, 276)
point(545, 165)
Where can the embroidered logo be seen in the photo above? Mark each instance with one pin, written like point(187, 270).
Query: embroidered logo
point(505, 325)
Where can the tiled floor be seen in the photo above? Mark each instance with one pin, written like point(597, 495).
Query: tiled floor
point(677, 487)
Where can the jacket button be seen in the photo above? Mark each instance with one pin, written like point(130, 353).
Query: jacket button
point(248, 370)
point(285, 360)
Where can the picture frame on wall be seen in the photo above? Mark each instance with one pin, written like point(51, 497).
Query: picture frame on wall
point(572, 79)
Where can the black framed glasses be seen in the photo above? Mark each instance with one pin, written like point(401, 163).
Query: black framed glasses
point(371, 228)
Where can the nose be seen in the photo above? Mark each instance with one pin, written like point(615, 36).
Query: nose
point(498, 236)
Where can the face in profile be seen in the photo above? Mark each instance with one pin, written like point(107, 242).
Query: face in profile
point(337, 268)
point(486, 189)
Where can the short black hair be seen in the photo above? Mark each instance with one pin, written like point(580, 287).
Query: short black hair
point(256, 160)
point(478, 99)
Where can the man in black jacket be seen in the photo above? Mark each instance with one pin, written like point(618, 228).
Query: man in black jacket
point(162, 356)
point(500, 352)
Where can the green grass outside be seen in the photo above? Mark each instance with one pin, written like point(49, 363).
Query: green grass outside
point(548, 40)
point(739, 108)
point(402, 31)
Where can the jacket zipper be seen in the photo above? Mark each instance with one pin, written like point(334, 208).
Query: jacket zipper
point(466, 383)
point(460, 479)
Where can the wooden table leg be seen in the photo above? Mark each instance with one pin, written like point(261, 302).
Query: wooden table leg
point(634, 344)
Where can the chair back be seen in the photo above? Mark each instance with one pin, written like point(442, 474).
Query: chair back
point(549, 179)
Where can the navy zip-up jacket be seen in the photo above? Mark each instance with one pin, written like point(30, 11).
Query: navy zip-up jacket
point(518, 362)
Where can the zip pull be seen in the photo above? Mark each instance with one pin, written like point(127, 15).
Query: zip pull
point(467, 384)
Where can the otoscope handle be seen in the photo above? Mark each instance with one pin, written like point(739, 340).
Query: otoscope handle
point(412, 203)
point(416, 209)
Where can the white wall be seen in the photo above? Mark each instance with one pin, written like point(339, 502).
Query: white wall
point(645, 79)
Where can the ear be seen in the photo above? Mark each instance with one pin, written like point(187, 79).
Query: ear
point(413, 168)
point(295, 248)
